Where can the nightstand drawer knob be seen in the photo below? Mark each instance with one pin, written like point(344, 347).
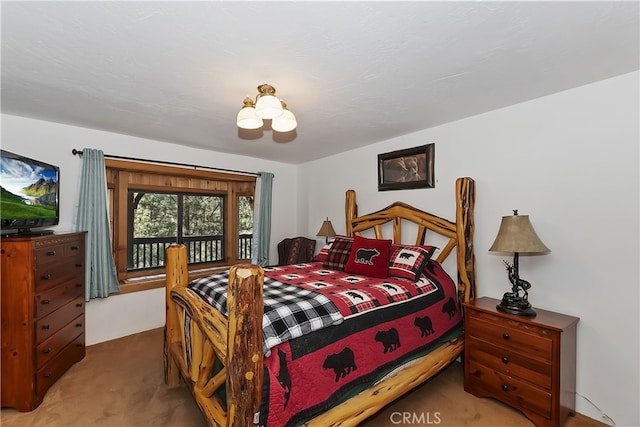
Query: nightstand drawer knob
point(505, 360)
point(505, 387)
point(506, 336)
point(45, 326)
point(46, 351)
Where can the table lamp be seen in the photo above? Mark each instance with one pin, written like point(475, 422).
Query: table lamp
point(516, 234)
point(326, 230)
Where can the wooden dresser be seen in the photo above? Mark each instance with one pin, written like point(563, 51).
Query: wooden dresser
point(42, 288)
point(528, 363)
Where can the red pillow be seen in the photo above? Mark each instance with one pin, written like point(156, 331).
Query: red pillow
point(323, 254)
point(409, 261)
point(369, 257)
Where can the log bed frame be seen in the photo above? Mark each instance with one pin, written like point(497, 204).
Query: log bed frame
point(236, 340)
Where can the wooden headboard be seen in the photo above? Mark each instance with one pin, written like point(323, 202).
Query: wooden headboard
point(458, 233)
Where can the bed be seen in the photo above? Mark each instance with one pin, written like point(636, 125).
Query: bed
point(220, 340)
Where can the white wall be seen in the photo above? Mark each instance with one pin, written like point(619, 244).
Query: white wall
point(569, 161)
point(126, 314)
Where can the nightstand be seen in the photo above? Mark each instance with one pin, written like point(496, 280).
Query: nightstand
point(528, 363)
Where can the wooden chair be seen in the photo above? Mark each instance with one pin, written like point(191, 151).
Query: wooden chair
point(296, 250)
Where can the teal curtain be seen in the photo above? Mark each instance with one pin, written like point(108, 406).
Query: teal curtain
point(93, 217)
point(262, 219)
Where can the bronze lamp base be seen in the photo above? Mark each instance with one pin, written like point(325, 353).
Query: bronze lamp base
point(515, 305)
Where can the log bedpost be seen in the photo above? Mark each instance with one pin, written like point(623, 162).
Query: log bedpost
point(244, 358)
point(465, 202)
point(177, 277)
point(350, 210)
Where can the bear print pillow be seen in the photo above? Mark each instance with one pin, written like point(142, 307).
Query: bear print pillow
point(409, 261)
point(369, 257)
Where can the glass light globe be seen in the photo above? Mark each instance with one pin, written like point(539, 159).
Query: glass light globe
point(286, 122)
point(268, 107)
point(247, 119)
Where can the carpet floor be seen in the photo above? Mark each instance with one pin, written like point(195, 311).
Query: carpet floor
point(120, 383)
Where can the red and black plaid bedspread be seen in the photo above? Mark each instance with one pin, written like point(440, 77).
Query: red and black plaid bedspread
point(383, 324)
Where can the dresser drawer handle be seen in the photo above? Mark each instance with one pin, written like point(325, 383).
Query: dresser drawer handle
point(51, 253)
point(506, 336)
point(46, 351)
point(505, 387)
point(79, 304)
point(505, 360)
point(78, 325)
point(47, 375)
point(46, 301)
point(78, 285)
point(79, 265)
point(46, 277)
point(45, 327)
point(75, 248)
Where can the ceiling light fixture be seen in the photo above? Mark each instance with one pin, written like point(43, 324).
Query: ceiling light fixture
point(266, 106)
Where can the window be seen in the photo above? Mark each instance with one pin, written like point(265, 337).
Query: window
point(245, 226)
point(153, 206)
point(160, 219)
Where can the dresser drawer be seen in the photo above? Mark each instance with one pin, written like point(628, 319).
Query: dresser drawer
point(56, 253)
point(510, 362)
point(48, 301)
point(49, 325)
point(510, 390)
point(48, 349)
point(512, 335)
point(50, 275)
point(52, 371)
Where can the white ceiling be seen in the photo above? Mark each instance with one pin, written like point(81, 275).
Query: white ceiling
point(354, 73)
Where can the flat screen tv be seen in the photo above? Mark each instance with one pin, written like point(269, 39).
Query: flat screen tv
point(30, 195)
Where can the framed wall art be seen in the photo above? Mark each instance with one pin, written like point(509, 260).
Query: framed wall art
point(407, 169)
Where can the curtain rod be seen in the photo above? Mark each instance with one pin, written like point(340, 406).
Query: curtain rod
point(79, 153)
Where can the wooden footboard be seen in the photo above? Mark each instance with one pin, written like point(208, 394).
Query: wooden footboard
point(370, 401)
point(225, 353)
point(232, 345)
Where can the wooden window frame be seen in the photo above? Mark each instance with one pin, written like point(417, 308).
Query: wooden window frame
point(123, 176)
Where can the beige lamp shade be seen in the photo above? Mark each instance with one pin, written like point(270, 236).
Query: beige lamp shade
point(516, 235)
point(327, 229)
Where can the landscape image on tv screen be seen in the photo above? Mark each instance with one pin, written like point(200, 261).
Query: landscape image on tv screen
point(28, 190)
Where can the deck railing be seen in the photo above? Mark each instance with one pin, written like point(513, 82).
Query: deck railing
point(148, 252)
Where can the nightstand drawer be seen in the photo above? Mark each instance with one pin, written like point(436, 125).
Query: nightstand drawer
point(510, 362)
point(515, 336)
point(510, 390)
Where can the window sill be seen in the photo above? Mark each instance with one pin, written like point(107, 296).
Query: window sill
point(159, 280)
